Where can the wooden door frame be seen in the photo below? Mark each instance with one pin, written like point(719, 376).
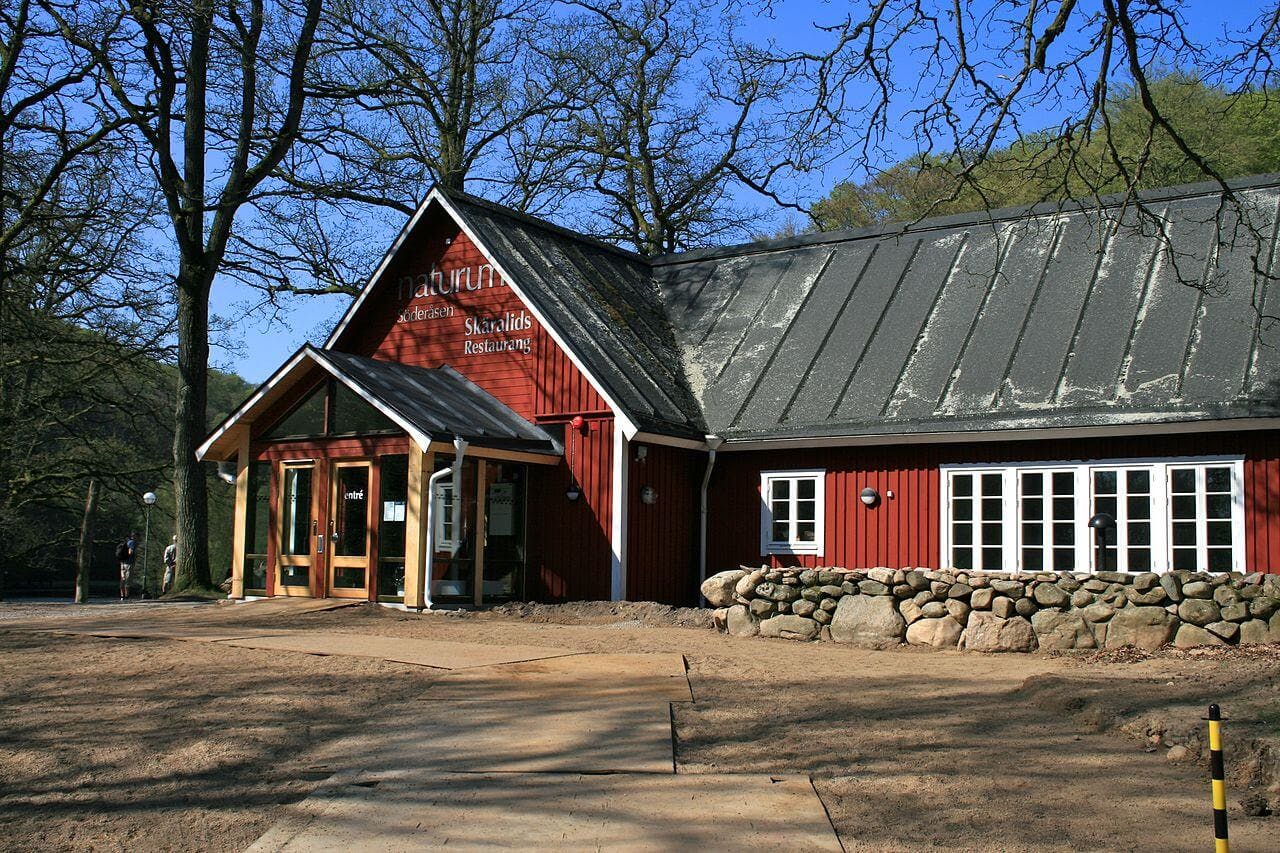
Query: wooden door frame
point(331, 562)
point(283, 559)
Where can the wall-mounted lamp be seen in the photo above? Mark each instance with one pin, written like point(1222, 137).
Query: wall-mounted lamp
point(573, 492)
point(642, 453)
point(649, 495)
point(869, 496)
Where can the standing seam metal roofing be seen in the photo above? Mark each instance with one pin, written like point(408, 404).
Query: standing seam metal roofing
point(1039, 317)
point(441, 403)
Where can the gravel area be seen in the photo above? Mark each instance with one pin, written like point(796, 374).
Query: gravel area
point(166, 745)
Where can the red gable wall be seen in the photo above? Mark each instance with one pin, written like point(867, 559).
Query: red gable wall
point(508, 354)
point(568, 543)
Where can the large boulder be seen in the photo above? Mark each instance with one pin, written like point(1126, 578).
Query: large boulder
point(1049, 595)
point(789, 628)
point(987, 632)
point(1198, 611)
point(869, 621)
point(746, 586)
point(1144, 627)
point(718, 589)
point(1060, 631)
point(740, 622)
point(1189, 636)
point(1254, 631)
point(943, 633)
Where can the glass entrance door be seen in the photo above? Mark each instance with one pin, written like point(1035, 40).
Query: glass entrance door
point(349, 527)
point(297, 530)
point(504, 532)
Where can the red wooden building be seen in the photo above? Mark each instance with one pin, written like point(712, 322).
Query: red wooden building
point(510, 410)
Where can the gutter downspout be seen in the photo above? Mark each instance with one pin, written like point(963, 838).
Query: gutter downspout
point(713, 442)
point(459, 447)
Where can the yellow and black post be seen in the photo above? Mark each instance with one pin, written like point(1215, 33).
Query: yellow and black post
point(1220, 844)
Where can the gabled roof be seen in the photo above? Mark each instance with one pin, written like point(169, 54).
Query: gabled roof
point(1019, 319)
point(1045, 317)
point(603, 303)
point(430, 404)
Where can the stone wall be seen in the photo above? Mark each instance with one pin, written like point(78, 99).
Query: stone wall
point(994, 612)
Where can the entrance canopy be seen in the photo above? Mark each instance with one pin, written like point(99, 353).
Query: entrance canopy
point(430, 404)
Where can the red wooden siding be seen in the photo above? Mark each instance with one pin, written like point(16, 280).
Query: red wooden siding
point(568, 542)
point(662, 538)
point(542, 382)
point(904, 531)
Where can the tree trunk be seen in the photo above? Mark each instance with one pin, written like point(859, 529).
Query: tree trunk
point(190, 486)
point(84, 556)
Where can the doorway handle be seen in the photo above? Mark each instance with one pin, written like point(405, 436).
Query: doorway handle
point(333, 531)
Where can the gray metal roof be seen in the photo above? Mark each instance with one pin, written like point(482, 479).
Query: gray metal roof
point(1035, 318)
point(603, 301)
point(440, 403)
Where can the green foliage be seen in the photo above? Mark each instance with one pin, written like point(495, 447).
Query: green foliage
point(1236, 134)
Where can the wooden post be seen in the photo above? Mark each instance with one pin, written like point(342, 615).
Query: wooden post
point(84, 556)
point(421, 464)
point(477, 583)
point(238, 530)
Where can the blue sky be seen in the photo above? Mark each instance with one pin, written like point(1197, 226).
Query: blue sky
point(256, 344)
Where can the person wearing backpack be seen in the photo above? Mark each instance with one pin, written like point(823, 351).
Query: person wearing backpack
point(126, 553)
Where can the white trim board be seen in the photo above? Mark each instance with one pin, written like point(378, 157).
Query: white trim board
point(1032, 434)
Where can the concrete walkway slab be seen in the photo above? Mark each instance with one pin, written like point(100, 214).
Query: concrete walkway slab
point(438, 654)
point(569, 735)
point(557, 811)
point(599, 678)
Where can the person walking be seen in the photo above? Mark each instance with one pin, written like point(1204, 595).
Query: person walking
point(126, 553)
point(170, 564)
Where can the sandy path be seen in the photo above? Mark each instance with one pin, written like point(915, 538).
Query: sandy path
point(169, 745)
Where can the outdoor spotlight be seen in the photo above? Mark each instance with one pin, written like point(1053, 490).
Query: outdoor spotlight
point(573, 492)
point(869, 496)
point(149, 498)
point(649, 495)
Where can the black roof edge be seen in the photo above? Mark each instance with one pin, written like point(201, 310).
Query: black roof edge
point(979, 217)
point(545, 225)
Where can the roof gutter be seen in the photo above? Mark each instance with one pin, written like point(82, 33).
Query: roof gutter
point(459, 448)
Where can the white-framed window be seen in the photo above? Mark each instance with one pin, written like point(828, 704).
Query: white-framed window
point(792, 509)
point(442, 513)
point(1034, 516)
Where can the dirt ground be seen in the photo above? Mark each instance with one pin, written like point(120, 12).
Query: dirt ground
point(111, 744)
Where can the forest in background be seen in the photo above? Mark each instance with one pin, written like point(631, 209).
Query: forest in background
point(150, 150)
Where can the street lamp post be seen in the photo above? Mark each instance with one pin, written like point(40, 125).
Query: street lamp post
point(148, 500)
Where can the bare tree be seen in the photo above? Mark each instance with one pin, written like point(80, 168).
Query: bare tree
point(403, 96)
point(215, 91)
point(958, 82)
point(684, 118)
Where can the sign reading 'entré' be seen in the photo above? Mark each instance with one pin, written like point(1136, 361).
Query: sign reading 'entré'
point(485, 335)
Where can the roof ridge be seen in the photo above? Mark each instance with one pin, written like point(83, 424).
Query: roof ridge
point(976, 217)
point(544, 224)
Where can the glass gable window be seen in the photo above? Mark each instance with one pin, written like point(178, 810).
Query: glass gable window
point(352, 415)
point(1166, 514)
point(330, 409)
point(791, 512)
point(304, 421)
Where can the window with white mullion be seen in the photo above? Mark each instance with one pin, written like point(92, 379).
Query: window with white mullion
point(792, 511)
point(1047, 513)
point(1204, 520)
point(978, 514)
point(1127, 494)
